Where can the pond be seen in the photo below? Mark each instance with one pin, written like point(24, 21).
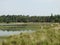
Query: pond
point(8, 33)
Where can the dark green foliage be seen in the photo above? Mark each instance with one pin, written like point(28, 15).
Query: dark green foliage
point(14, 42)
point(22, 18)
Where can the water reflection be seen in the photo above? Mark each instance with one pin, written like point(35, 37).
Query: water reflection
point(7, 33)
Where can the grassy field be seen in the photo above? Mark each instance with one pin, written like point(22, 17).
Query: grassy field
point(45, 34)
point(19, 26)
point(26, 26)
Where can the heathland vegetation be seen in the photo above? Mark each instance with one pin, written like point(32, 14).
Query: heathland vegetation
point(44, 34)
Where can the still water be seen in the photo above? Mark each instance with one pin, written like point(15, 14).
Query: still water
point(7, 33)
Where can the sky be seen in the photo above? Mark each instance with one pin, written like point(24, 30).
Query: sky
point(29, 7)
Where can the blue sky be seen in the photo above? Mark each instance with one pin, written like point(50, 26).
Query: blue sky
point(30, 7)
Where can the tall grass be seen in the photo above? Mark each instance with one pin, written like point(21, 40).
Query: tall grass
point(46, 34)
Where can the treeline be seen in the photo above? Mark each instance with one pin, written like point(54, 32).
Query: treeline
point(22, 18)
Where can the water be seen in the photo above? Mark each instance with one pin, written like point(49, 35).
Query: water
point(8, 33)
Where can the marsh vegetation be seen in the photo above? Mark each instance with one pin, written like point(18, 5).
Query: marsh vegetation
point(43, 34)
